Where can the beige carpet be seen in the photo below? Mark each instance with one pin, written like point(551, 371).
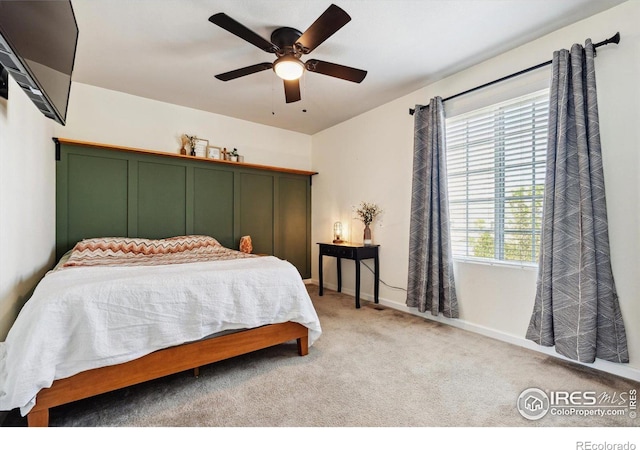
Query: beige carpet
point(372, 367)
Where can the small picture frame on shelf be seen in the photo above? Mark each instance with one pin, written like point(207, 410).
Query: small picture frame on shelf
point(214, 152)
point(201, 147)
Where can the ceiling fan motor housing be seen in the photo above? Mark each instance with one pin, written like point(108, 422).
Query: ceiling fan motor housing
point(285, 38)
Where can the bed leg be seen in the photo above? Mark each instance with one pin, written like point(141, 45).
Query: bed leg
point(196, 372)
point(303, 345)
point(38, 418)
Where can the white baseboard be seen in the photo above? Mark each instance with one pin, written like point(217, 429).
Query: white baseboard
point(620, 370)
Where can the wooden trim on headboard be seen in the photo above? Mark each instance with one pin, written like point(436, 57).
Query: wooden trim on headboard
point(175, 155)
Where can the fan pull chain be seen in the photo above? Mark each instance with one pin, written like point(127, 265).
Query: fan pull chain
point(304, 92)
point(272, 96)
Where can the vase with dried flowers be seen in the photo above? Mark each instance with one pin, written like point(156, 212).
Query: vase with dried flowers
point(192, 143)
point(367, 212)
point(184, 139)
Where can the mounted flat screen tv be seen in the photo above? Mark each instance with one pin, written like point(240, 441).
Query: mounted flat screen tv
point(38, 42)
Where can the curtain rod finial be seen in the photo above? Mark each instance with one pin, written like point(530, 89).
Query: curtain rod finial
point(616, 38)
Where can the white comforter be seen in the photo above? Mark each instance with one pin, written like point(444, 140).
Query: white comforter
point(81, 318)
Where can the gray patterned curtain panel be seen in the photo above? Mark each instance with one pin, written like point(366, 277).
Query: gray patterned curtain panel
point(431, 284)
point(576, 305)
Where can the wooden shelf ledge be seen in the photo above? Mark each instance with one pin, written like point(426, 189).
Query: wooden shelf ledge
point(176, 155)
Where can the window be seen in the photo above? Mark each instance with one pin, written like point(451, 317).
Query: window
point(496, 168)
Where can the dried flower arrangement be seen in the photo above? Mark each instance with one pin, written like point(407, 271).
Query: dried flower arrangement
point(192, 141)
point(367, 212)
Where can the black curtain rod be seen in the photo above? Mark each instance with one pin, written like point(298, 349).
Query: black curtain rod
point(615, 39)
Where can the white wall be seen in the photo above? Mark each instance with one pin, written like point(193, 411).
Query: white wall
point(111, 117)
point(27, 201)
point(369, 158)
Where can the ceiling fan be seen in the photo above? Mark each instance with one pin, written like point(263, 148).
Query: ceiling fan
point(289, 45)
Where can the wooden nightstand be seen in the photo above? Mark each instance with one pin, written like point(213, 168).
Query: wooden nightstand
point(356, 252)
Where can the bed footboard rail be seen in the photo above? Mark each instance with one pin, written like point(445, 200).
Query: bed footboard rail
point(162, 363)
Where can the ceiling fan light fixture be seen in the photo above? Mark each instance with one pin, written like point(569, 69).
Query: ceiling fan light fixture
point(288, 45)
point(288, 67)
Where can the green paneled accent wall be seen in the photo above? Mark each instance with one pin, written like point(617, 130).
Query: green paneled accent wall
point(294, 231)
point(256, 210)
point(103, 208)
point(162, 200)
point(114, 191)
point(213, 204)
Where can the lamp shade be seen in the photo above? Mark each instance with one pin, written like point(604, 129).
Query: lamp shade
point(288, 67)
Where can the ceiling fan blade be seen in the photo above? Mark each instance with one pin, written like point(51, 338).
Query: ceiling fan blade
point(328, 23)
point(234, 27)
point(336, 70)
point(292, 90)
point(232, 75)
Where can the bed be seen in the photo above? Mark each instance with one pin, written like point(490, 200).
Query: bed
point(115, 312)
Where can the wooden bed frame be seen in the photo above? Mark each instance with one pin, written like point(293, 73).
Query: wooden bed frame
point(164, 362)
point(182, 357)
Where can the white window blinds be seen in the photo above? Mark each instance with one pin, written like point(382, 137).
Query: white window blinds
point(496, 168)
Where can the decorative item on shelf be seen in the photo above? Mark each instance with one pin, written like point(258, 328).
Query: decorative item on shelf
point(201, 147)
point(234, 155)
point(198, 146)
point(225, 154)
point(245, 244)
point(192, 144)
point(337, 233)
point(184, 139)
point(367, 212)
point(214, 152)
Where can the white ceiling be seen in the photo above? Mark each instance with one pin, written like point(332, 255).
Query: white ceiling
point(167, 50)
